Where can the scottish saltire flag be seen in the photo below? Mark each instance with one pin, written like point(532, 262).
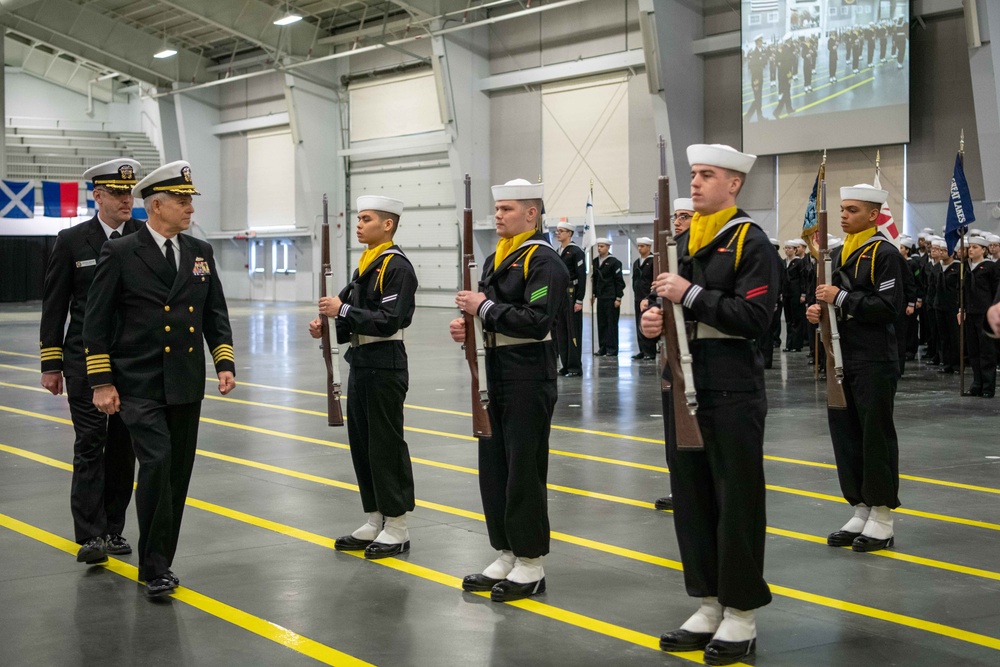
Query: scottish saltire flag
point(91, 206)
point(960, 213)
point(17, 199)
point(589, 231)
point(60, 200)
point(886, 223)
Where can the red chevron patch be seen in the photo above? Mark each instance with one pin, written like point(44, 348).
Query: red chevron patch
point(757, 291)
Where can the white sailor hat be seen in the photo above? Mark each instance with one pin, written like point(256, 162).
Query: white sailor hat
point(173, 178)
point(922, 235)
point(565, 225)
point(518, 189)
point(790, 243)
point(683, 204)
point(993, 238)
point(975, 232)
point(979, 240)
point(720, 155)
point(928, 231)
point(604, 240)
point(758, 37)
point(644, 240)
point(906, 240)
point(774, 242)
point(117, 175)
point(835, 242)
point(938, 242)
point(380, 203)
point(864, 192)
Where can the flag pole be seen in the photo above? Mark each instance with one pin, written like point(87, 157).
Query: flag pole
point(593, 302)
point(961, 286)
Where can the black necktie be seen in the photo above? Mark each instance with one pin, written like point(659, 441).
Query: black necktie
point(169, 245)
point(116, 234)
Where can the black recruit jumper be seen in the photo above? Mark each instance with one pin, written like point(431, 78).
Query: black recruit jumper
point(378, 305)
point(568, 327)
point(980, 286)
point(642, 284)
point(719, 512)
point(103, 461)
point(608, 287)
point(865, 446)
point(523, 297)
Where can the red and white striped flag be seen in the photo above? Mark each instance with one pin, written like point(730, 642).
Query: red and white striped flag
point(886, 223)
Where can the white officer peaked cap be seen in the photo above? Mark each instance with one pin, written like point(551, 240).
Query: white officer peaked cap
point(380, 203)
point(720, 155)
point(644, 240)
point(119, 174)
point(565, 225)
point(864, 192)
point(978, 240)
point(683, 204)
point(606, 241)
point(518, 189)
point(173, 178)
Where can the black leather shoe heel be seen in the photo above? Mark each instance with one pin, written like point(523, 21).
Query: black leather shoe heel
point(377, 550)
point(865, 543)
point(92, 552)
point(664, 503)
point(479, 583)
point(684, 640)
point(842, 538)
point(719, 652)
point(350, 543)
point(160, 586)
point(508, 591)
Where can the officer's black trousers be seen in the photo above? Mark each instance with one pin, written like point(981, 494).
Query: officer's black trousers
point(375, 430)
point(646, 345)
point(982, 354)
point(514, 464)
point(568, 329)
point(719, 511)
point(864, 435)
point(165, 438)
point(607, 325)
point(103, 466)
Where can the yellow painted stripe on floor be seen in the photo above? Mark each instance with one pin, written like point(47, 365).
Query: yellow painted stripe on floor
point(35, 415)
point(614, 462)
point(258, 626)
point(19, 354)
point(39, 458)
point(21, 386)
point(830, 97)
point(591, 544)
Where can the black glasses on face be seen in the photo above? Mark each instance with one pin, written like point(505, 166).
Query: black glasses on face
point(682, 216)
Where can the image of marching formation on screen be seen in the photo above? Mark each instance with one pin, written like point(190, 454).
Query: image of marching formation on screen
point(824, 74)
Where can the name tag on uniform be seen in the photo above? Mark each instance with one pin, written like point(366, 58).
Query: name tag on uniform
point(201, 267)
point(86, 263)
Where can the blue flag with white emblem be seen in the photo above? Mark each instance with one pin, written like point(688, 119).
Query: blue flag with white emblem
point(17, 199)
point(960, 213)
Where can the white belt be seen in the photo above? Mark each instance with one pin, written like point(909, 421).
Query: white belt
point(701, 331)
point(492, 339)
point(358, 339)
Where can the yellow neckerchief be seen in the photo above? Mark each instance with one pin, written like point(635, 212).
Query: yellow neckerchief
point(507, 246)
point(855, 241)
point(369, 255)
point(705, 227)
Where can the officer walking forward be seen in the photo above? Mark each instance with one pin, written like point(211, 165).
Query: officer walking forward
point(523, 288)
point(156, 296)
point(103, 461)
point(728, 293)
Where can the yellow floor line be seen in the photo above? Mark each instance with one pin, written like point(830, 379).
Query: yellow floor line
point(570, 617)
point(258, 626)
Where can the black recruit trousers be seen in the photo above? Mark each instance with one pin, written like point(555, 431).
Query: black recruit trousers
point(982, 353)
point(607, 325)
point(947, 332)
point(103, 466)
point(864, 436)
point(719, 509)
point(568, 330)
point(514, 465)
point(165, 438)
point(375, 430)
point(646, 345)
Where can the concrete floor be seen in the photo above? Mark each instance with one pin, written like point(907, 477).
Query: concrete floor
point(273, 485)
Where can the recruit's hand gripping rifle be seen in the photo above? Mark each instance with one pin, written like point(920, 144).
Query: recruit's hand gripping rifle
point(331, 355)
point(829, 332)
point(475, 354)
point(674, 344)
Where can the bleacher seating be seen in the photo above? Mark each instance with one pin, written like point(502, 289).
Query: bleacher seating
point(64, 154)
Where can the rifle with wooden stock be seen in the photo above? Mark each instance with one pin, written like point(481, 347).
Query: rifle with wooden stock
point(475, 354)
point(674, 343)
point(331, 354)
point(829, 332)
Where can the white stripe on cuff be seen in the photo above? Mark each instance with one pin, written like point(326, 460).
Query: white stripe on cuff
point(691, 295)
point(841, 297)
point(343, 310)
point(483, 307)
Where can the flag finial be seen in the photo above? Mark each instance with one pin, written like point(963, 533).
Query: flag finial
point(824, 157)
point(961, 142)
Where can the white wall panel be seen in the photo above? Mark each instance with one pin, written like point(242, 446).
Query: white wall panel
point(394, 107)
point(270, 172)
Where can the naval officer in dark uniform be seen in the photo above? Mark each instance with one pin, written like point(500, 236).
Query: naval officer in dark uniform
point(372, 311)
point(867, 289)
point(103, 461)
point(728, 290)
point(522, 290)
point(569, 324)
point(155, 300)
point(608, 287)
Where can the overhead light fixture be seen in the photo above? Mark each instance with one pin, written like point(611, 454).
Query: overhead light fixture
point(165, 53)
point(288, 19)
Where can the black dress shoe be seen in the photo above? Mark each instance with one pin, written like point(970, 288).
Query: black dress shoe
point(719, 652)
point(600, 353)
point(988, 394)
point(563, 371)
point(865, 543)
point(116, 544)
point(841, 538)
point(948, 370)
point(685, 640)
point(377, 550)
point(508, 591)
point(664, 503)
point(573, 374)
point(639, 356)
point(92, 552)
point(478, 583)
point(173, 577)
point(159, 586)
point(350, 543)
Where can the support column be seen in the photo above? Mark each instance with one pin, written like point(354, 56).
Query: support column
point(3, 110)
point(984, 64)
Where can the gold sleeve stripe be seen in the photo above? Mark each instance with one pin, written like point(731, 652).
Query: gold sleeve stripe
point(99, 369)
point(224, 355)
point(51, 356)
point(97, 357)
point(93, 367)
point(50, 349)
